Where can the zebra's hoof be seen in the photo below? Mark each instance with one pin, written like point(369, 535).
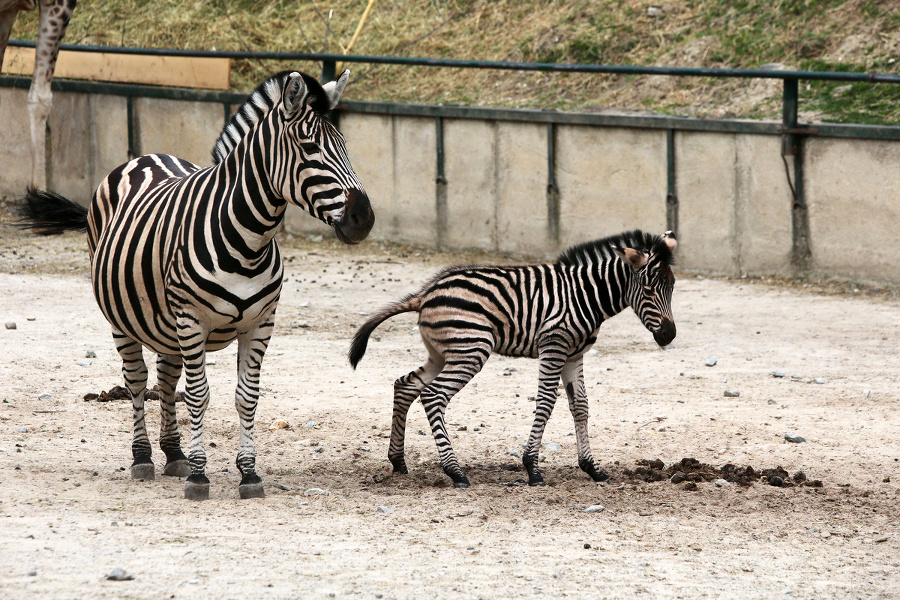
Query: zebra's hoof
point(177, 468)
point(145, 471)
point(461, 484)
point(400, 468)
point(536, 480)
point(251, 490)
point(196, 491)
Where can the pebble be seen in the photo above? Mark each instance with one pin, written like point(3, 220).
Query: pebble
point(10, 324)
point(120, 574)
point(794, 438)
point(90, 354)
point(386, 510)
point(770, 401)
point(515, 453)
point(552, 447)
point(309, 424)
point(32, 573)
point(820, 380)
point(45, 397)
point(316, 492)
point(778, 374)
point(83, 363)
point(711, 361)
point(22, 430)
point(721, 483)
point(732, 393)
point(594, 508)
point(320, 449)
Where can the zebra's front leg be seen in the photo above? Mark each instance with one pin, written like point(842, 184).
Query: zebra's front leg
point(134, 371)
point(251, 350)
point(551, 365)
point(573, 380)
point(192, 338)
point(168, 370)
point(406, 390)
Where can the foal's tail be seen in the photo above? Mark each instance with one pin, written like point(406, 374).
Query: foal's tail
point(46, 213)
point(411, 303)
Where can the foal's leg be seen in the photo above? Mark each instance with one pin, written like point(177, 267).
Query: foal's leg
point(406, 390)
point(134, 370)
point(573, 380)
point(251, 350)
point(552, 359)
point(457, 372)
point(168, 371)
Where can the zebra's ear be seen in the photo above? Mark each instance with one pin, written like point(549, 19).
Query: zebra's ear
point(635, 258)
point(669, 238)
point(335, 89)
point(292, 96)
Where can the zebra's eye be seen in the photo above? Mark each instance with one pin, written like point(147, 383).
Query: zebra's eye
point(309, 147)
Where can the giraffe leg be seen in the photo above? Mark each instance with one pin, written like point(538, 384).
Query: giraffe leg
point(134, 370)
point(573, 380)
point(406, 390)
point(457, 372)
point(7, 18)
point(552, 360)
point(251, 350)
point(192, 338)
point(168, 369)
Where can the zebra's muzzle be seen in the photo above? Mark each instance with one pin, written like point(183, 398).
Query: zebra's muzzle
point(665, 334)
point(358, 218)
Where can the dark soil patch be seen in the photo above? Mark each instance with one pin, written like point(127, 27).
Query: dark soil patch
point(690, 472)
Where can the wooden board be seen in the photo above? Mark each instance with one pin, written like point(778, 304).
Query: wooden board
point(177, 71)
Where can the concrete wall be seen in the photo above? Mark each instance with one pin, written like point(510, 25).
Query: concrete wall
point(734, 213)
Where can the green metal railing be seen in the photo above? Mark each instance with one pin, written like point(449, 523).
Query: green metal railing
point(792, 132)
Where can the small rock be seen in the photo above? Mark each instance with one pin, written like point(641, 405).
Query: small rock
point(83, 363)
point(678, 477)
point(778, 374)
point(721, 483)
point(385, 510)
point(552, 447)
point(309, 424)
point(120, 574)
point(711, 361)
point(463, 428)
point(515, 453)
point(33, 572)
point(587, 546)
point(881, 539)
point(45, 397)
point(594, 508)
point(316, 492)
point(10, 325)
point(770, 401)
point(820, 380)
point(794, 439)
point(320, 449)
point(732, 393)
point(279, 425)
point(281, 486)
point(90, 354)
point(22, 430)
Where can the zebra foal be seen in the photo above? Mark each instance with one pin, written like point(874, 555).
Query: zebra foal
point(551, 312)
point(184, 259)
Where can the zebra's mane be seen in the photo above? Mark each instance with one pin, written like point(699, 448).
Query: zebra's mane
point(603, 249)
point(257, 105)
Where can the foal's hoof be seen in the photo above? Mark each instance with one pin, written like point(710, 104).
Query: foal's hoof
point(198, 489)
point(144, 471)
point(591, 469)
point(461, 484)
point(536, 480)
point(177, 468)
point(251, 490)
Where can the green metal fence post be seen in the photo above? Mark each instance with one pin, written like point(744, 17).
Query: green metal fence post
point(792, 145)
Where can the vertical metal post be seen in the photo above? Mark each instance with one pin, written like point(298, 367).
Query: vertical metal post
point(329, 69)
point(129, 109)
point(792, 145)
point(671, 184)
point(440, 183)
point(552, 187)
point(227, 111)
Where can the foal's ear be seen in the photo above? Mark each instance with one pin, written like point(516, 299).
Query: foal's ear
point(335, 89)
point(669, 239)
point(292, 96)
point(635, 258)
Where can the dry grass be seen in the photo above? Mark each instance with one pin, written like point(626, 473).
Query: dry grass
point(853, 35)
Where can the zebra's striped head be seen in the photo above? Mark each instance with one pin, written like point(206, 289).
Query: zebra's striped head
point(650, 290)
point(300, 152)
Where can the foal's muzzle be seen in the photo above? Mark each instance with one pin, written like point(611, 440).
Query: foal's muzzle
point(665, 334)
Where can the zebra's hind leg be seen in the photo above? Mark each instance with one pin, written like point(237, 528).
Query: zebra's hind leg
point(551, 364)
point(436, 396)
point(192, 339)
point(573, 380)
point(406, 390)
point(134, 370)
point(251, 350)
point(168, 369)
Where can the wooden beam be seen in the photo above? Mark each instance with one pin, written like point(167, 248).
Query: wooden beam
point(177, 71)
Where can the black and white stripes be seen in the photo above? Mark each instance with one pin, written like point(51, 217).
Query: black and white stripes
point(551, 312)
point(184, 259)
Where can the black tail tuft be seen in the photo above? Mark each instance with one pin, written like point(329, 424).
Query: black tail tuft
point(46, 213)
point(361, 340)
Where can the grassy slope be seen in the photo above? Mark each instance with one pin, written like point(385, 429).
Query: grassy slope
point(854, 35)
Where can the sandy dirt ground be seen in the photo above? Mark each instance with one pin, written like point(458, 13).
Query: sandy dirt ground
point(336, 524)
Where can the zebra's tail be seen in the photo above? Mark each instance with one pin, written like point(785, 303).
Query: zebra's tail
point(46, 213)
point(358, 347)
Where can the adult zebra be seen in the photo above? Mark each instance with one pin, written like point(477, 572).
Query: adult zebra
point(184, 260)
point(552, 312)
